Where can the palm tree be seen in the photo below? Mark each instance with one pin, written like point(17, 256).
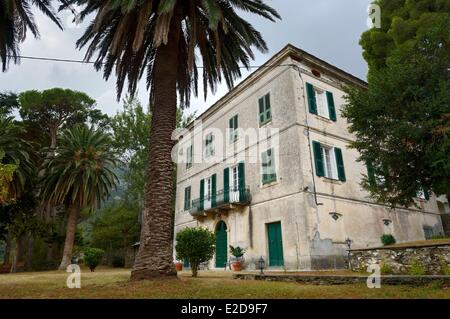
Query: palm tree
point(80, 175)
point(15, 19)
point(15, 161)
point(160, 38)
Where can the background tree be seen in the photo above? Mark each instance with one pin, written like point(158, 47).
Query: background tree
point(197, 245)
point(130, 128)
point(402, 121)
point(115, 228)
point(161, 38)
point(53, 109)
point(15, 159)
point(16, 18)
point(8, 103)
point(401, 21)
point(80, 175)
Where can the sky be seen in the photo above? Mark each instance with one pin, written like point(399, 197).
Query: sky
point(328, 29)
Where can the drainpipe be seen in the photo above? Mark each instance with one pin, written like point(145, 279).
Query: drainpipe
point(307, 132)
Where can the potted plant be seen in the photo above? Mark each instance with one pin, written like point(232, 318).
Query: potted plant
point(237, 253)
point(178, 266)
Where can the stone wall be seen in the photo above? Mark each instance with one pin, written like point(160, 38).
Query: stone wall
point(345, 279)
point(435, 260)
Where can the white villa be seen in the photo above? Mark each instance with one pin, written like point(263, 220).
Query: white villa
point(293, 198)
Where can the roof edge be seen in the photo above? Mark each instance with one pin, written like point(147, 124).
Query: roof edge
point(296, 54)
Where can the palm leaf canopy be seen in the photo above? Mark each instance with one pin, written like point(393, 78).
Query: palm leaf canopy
point(16, 152)
point(125, 36)
point(16, 18)
point(81, 171)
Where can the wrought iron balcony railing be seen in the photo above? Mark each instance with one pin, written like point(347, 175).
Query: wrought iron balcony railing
point(223, 199)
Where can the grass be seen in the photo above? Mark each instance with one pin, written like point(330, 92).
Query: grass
point(113, 283)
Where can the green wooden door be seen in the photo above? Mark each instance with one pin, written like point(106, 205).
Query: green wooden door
point(221, 244)
point(275, 244)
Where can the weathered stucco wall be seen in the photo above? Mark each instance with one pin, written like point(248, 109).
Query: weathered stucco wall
point(435, 260)
point(311, 237)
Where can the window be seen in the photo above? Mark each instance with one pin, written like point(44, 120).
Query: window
point(269, 174)
point(265, 114)
point(322, 106)
point(209, 146)
point(208, 188)
point(187, 198)
point(329, 161)
point(189, 157)
point(423, 195)
point(234, 178)
point(233, 126)
point(320, 102)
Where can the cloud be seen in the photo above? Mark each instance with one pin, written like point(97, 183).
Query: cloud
point(328, 29)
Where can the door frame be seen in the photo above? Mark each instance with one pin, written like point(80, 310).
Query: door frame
point(227, 230)
point(268, 243)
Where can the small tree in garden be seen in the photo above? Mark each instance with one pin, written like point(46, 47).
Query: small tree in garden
point(388, 239)
point(93, 257)
point(197, 245)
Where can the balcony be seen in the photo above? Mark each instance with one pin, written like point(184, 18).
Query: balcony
point(221, 201)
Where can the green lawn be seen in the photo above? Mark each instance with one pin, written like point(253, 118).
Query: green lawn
point(112, 283)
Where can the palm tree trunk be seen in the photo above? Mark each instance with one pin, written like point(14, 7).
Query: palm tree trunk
point(72, 212)
point(7, 250)
point(15, 250)
point(155, 255)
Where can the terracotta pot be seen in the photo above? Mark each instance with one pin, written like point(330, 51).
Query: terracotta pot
point(179, 266)
point(236, 266)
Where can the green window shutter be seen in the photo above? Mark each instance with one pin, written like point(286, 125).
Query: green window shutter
point(241, 175)
point(264, 162)
point(187, 198)
point(340, 164)
point(371, 173)
point(202, 194)
point(318, 159)
point(311, 95)
point(231, 123)
point(241, 180)
point(264, 109)
point(226, 185)
point(214, 190)
point(262, 117)
point(331, 108)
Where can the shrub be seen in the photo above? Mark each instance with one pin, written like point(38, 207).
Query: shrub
point(417, 269)
point(237, 252)
point(386, 268)
point(445, 269)
point(197, 245)
point(93, 257)
point(118, 262)
point(438, 237)
point(388, 239)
